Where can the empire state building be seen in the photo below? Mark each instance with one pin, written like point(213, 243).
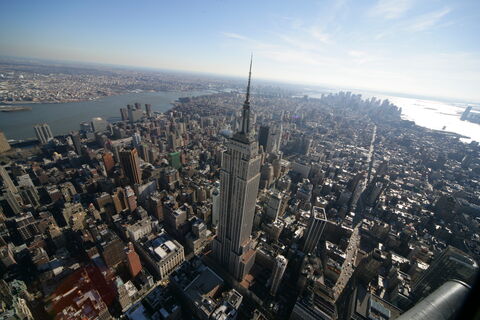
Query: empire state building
point(239, 179)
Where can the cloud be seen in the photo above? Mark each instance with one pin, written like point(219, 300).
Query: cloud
point(390, 9)
point(317, 33)
point(428, 20)
point(236, 36)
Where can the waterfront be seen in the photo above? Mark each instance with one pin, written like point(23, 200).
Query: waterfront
point(438, 115)
point(432, 114)
point(65, 117)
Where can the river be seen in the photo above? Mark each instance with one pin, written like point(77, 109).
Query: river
point(65, 117)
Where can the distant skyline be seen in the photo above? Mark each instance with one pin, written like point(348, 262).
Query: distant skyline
point(427, 48)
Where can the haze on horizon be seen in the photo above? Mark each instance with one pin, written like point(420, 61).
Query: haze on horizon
point(427, 48)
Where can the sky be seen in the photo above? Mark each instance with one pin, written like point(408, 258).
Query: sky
point(423, 47)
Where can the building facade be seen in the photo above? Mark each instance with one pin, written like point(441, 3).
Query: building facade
point(240, 177)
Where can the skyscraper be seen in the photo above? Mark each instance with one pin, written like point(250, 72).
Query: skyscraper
point(148, 109)
point(77, 144)
point(466, 113)
point(314, 231)
point(451, 264)
point(124, 114)
point(99, 124)
point(7, 181)
point(131, 165)
point(277, 274)
point(43, 133)
point(4, 145)
point(240, 176)
point(134, 264)
point(109, 162)
point(263, 134)
point(135, 115)
point(270, 138)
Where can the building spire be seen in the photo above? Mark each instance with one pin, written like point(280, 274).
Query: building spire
point(247, 98)
point(246, 105)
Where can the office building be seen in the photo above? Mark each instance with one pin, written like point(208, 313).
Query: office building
point(131, 165)
point(99, 124)
point(7, 181)
point(124, 114)
point(450, 264)
point(163, 254)
point(148, 110)
point(270, 137)
point(466, 113)
point(263, 134)
point(316, 225)
point(108, 162)
point(133, 260)
point(444, 303)
point(14, 201)
point(278, 270)
point(240, 177)
point(43, 133)
point(274, 203)
point(77, 144)
point(135, 115)
point(4, 145)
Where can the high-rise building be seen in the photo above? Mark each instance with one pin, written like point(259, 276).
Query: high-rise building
point(155, 206)
point(450, 264)
point(108, 162)
point(99, 124)
point(273, 205)
point(466, 113)
point(148, 109)
point(316, 225)
point(136, 139)
point(134, 264)
point(131, 198)
point(443, 303)
point(304, 145)
point(131, 165)
point(4, 145)
point(240, 177)
point(43, 133)
point(174, 160)
point(263, 134)
point(7, 181)
point(277, 274)
point(124, 114)
point(77, 144)
point(14, 201)
point(119, 199)
point(86, 126)
point(274, 139)
point(270, 137)
point(135, 115)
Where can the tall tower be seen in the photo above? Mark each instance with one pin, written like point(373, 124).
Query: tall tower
point(77, 143)
point(43, 132)
point(317, 223)
point(7, 181)
point(239, 179)
point(277, 274)
point(450, 264)
point(4, 145)
point(131, 165)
